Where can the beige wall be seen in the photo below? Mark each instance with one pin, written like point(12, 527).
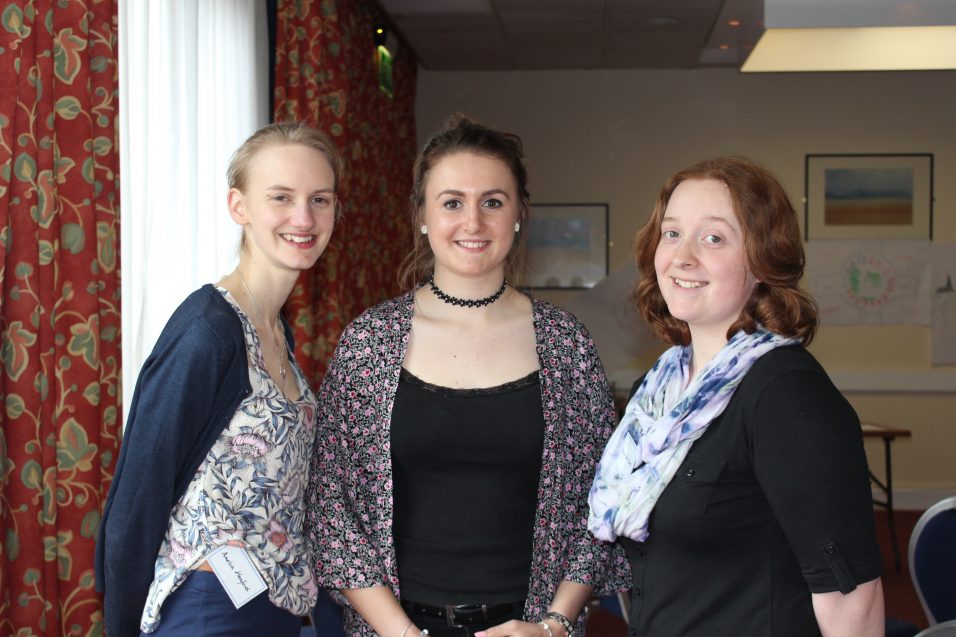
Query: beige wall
point(615, 136)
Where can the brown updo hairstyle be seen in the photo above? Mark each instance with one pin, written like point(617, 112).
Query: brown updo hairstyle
point(774, 254)
point(462, 135)
point(284, 134)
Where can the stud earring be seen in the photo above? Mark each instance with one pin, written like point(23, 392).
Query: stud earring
point(517, 227)
point(424, 229)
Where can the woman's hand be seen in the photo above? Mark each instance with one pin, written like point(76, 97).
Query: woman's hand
point(517, 628)
point(378, 606)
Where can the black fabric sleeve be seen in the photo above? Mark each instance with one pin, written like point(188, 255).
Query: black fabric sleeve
point(809, 460)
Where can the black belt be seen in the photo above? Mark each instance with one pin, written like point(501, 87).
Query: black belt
point(463, 614)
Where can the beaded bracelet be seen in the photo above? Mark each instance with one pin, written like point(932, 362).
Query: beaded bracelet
point(546, 627)
point(561, 619)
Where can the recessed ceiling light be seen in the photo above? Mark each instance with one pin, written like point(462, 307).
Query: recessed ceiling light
point(663, 21)
point(724, 47)
point(854, 49)
point(733, 23)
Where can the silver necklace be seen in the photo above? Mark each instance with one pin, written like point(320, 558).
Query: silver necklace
point(280, 352)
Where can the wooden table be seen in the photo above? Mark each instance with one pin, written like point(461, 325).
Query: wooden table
point(888, 434)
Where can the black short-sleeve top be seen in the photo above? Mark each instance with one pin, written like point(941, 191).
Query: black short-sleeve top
point(772, 503)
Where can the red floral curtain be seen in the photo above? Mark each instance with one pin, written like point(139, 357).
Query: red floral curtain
point(326, 74)
point(59, 309)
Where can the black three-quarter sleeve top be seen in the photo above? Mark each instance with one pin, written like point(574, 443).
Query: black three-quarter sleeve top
point(772, 504)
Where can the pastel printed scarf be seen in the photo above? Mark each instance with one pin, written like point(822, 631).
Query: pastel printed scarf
point(661, 422)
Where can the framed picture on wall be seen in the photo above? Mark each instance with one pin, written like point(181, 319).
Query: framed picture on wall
point(888, 196)
point(567, 245)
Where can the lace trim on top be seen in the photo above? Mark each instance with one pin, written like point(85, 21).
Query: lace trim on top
point(511, 386)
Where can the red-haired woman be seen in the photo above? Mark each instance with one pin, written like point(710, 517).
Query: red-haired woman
point(736, 481)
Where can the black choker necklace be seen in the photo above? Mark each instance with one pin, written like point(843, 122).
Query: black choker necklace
point(454, 300)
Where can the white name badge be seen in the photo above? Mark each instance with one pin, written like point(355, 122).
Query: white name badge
point(236, 573)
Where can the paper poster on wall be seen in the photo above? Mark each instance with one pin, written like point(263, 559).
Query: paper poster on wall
point(944, 304)
point(870, 282)
point(619, 333)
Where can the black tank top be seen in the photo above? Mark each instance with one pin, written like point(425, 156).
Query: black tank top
point(466, 466)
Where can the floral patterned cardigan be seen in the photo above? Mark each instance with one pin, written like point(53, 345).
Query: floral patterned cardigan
point(350, 496)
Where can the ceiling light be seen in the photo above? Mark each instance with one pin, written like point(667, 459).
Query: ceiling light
point(845, 35)
point(733, 23)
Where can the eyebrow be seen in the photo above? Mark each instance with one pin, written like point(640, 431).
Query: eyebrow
point(707, 218)
point(459, 193)
point(288, 189)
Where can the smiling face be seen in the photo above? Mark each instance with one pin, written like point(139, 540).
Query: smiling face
point(470, 210)
point(286, 207)
point(701, 260)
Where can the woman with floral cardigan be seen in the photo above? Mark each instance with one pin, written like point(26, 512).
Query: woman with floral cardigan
point(460, 425)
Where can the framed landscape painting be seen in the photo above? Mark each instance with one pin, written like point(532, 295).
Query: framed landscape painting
point(886, 196)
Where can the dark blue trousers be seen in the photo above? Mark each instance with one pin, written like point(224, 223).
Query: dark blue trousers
point(200, 607)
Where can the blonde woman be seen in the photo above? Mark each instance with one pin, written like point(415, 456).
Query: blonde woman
point(215, 456)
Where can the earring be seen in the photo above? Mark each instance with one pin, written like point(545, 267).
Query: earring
point(517, 227)
point(424, 229)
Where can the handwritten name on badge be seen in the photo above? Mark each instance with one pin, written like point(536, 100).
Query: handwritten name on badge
point(236, 573)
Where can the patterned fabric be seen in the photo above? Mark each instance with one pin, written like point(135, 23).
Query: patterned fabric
point(248, 492)
point(662, 420)
point(174, 420)
point(59, 309)
point(349, 496)
point(326, 75)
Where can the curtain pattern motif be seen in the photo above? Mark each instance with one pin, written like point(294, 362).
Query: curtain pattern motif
point(326, 75)
point(59, 309)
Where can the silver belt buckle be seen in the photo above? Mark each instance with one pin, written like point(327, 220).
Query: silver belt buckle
point(451, 609)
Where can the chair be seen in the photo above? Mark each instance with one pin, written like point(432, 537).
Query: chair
point(605, 616)
point(899, 628)
point(932, 555)
point(946, 629)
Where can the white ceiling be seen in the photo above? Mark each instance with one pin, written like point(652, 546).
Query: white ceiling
point(460, 35)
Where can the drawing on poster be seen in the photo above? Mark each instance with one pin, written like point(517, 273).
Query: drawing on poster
point(944, 305)
point(617, 329)
point(870, 282)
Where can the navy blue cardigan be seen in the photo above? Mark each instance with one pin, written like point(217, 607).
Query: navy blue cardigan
point(187, 393)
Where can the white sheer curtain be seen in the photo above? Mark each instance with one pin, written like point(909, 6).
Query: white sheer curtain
point(193, 85)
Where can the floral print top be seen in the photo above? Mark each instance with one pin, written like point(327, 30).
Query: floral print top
point(350, 500)
point(248, 492)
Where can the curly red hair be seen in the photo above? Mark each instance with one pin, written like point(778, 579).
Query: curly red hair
point(774, 254)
